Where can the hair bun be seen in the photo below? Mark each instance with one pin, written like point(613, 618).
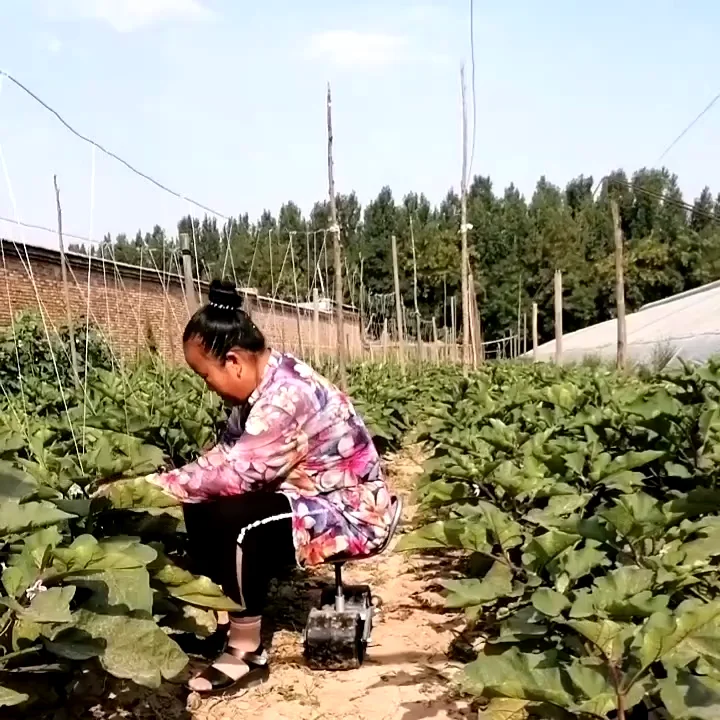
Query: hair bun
point(224, 295)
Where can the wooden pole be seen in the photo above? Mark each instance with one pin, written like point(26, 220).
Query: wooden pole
point(519, 317)
point(464, 268)
point(316, 325)
point(415, 293)
point(558, 317)
point(66, 287)
point(473, 321)
point(453, 323)
point(436, 355)
point(190, 296)
point(297, 299)
point(385, 340)
point(525, 333)
point(619, 286)
point(535, 331)
point(398, 304)
point(339, 314)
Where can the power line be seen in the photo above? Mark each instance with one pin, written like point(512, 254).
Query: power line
point(109, 153)
point(49, 230)
point(688, 128)
point(474, 101)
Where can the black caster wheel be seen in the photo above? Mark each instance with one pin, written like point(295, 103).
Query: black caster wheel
point(334, 640)
point(337, 639)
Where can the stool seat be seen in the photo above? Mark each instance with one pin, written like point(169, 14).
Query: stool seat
point(342, 558)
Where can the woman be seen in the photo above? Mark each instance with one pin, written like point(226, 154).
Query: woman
point(295, 478)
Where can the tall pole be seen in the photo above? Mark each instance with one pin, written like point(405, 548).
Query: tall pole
point(66, 288)
point(619, 286)
point(190, 295)
point(558, 317)
point(316, 326)
point(415, 293)
point(337, 255)
point(398, 304)
point(463, 231)
point(535, 331)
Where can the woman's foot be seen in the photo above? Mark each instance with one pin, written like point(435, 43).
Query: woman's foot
point(243, 665)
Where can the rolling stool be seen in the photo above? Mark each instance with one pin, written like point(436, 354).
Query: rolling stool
point(338, 628)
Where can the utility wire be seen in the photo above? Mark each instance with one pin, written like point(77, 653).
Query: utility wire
point(688, 128)
point(109, 153)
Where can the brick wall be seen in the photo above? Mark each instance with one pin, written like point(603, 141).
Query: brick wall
point(136, 307)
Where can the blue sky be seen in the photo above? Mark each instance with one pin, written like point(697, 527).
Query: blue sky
point(224, 100)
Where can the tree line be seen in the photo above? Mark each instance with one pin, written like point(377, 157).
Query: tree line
point(515, 246)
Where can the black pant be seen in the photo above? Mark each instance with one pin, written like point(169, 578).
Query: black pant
point(217, 528)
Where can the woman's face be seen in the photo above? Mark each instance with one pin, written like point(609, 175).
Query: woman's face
point(233, 378)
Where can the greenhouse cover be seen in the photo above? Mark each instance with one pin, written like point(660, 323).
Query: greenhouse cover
point(684, 326)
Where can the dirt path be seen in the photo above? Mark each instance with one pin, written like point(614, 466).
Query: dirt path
point(406, 676)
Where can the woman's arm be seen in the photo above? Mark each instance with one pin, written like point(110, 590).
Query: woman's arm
point(270, 447)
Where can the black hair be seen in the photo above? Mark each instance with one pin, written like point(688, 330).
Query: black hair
point(222, 324)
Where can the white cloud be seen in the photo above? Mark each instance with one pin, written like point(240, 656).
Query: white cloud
point(129, 15)
point(350, 49)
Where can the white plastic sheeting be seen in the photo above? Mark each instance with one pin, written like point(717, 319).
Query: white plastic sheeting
point(683, 326)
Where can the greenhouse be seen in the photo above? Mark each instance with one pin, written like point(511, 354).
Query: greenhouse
point(684, 326)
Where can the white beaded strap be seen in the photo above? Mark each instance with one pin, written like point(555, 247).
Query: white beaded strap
point(264, 521)
point(221, 307)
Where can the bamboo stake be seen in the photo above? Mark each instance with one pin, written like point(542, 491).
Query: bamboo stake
point(619, 286)
point(398, 304)
point(337, 255)
point(558, 317)
point(66, 287)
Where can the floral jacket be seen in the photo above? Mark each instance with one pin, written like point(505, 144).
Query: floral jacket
point(298, 435)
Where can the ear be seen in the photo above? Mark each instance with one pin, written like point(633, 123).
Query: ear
point(233, 358)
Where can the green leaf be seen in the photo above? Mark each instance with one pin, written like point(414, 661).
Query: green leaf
point(505, 709)
point(546, 547)
point(17, 518)
point(690, 697)
point(606, 635)
point(637, 516)
point(596, 687)
point(74, 644)
point(136, 493)
point(50, 606)
point(129, 589)
point(691, 632)
point(623, 593)
point(580, 561)
point(9, 697)
point(117, 553)
point(134, 648)
point(522, 676)
point(192, 589)
point(468, 593)
point(549, 602)
point(14, 483)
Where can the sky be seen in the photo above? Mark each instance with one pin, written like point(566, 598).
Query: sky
point(224, 100)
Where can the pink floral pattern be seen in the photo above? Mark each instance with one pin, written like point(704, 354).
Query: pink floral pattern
point(298, 435)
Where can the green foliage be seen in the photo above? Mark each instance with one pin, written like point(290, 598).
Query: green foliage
point(515, 244)
point(92, 570)
point(586, 505)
